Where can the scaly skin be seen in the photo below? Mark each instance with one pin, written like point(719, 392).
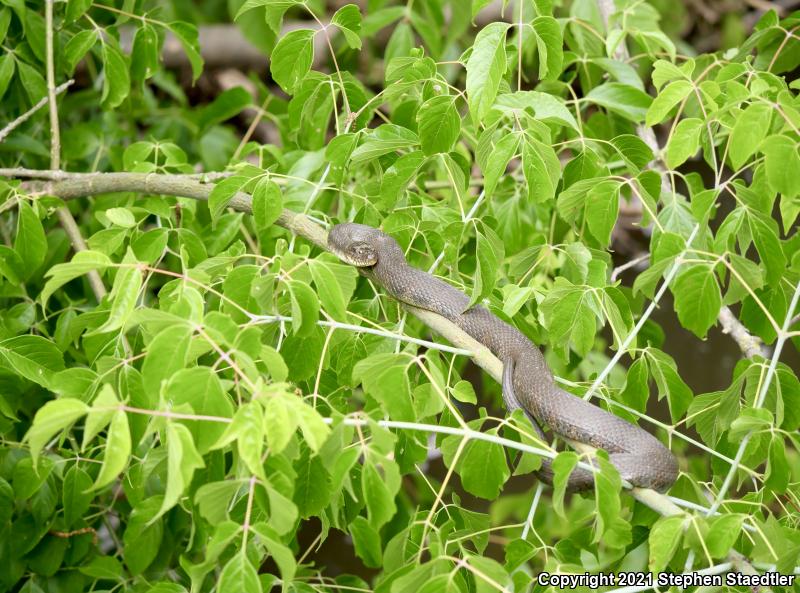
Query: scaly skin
point(639, 457)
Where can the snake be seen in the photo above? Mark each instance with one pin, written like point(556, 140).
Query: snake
point(527, 380)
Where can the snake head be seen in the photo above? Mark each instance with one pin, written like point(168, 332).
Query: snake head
point(355, 244)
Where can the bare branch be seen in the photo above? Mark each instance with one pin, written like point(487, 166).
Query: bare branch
point(27, 115)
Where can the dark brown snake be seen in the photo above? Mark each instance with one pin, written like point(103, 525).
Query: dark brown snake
point(527, 380)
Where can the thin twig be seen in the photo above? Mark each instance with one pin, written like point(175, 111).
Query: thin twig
point(55, 132)
point(628, 265)
point(64, 215)
point(27, 115)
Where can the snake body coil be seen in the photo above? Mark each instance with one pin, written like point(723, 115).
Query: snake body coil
point(527, 380)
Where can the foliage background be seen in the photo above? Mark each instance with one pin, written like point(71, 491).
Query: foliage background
point(194, 398)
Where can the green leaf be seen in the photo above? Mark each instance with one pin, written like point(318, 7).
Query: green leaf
point(498, 160)
point(782, 163)
point(750, 420)
point(493, 576)
point(5, 21)
point(274, 362)
point(7, 68)
point(145, 53)
point(143, 535)
point(664, 539)
point(76, 9)
point(545, 107)
point(569, 314)
point(549, 45)
point(11, 266)
point(117, 450)
point(697, 298)
point(348, 19)
point(305, 307)
point(53, 417)
point(669, 383)
point(76, 494)
point(634, 151)
point(779, 471)
point(30, 242)
point(267, 203)
point(625, 100)
point(562, 466)
point(684, 142)
point(379, 491)
point(329, 290)
point(182, 460)
point(315, 431)
point(116, 77)
point(121, 217)
point(485, 68)
point(367, 542)
point(723, 534)
point(542, 170)
point(292, 58)
point(186, 33)
point(104, 406)
point(200, 388)
point(486, 270)
point(610, 527)
point(602, 209)
point(78, 46)
point(280, 553)
point(438, 124)
point(383, 140)
point(247, 429)
point(33, 357)
point(104, 567)
point(239, 575)
point(82, 263)
point(669, 97)
point(32, 82)
point(149, 246)
point(223, 193)
point(312, 489)
point(124, 294)
point(385, 378)
point(166, 354)
point(483, 468)
point(751, 126)
point(765, 237)
point(280, 422)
